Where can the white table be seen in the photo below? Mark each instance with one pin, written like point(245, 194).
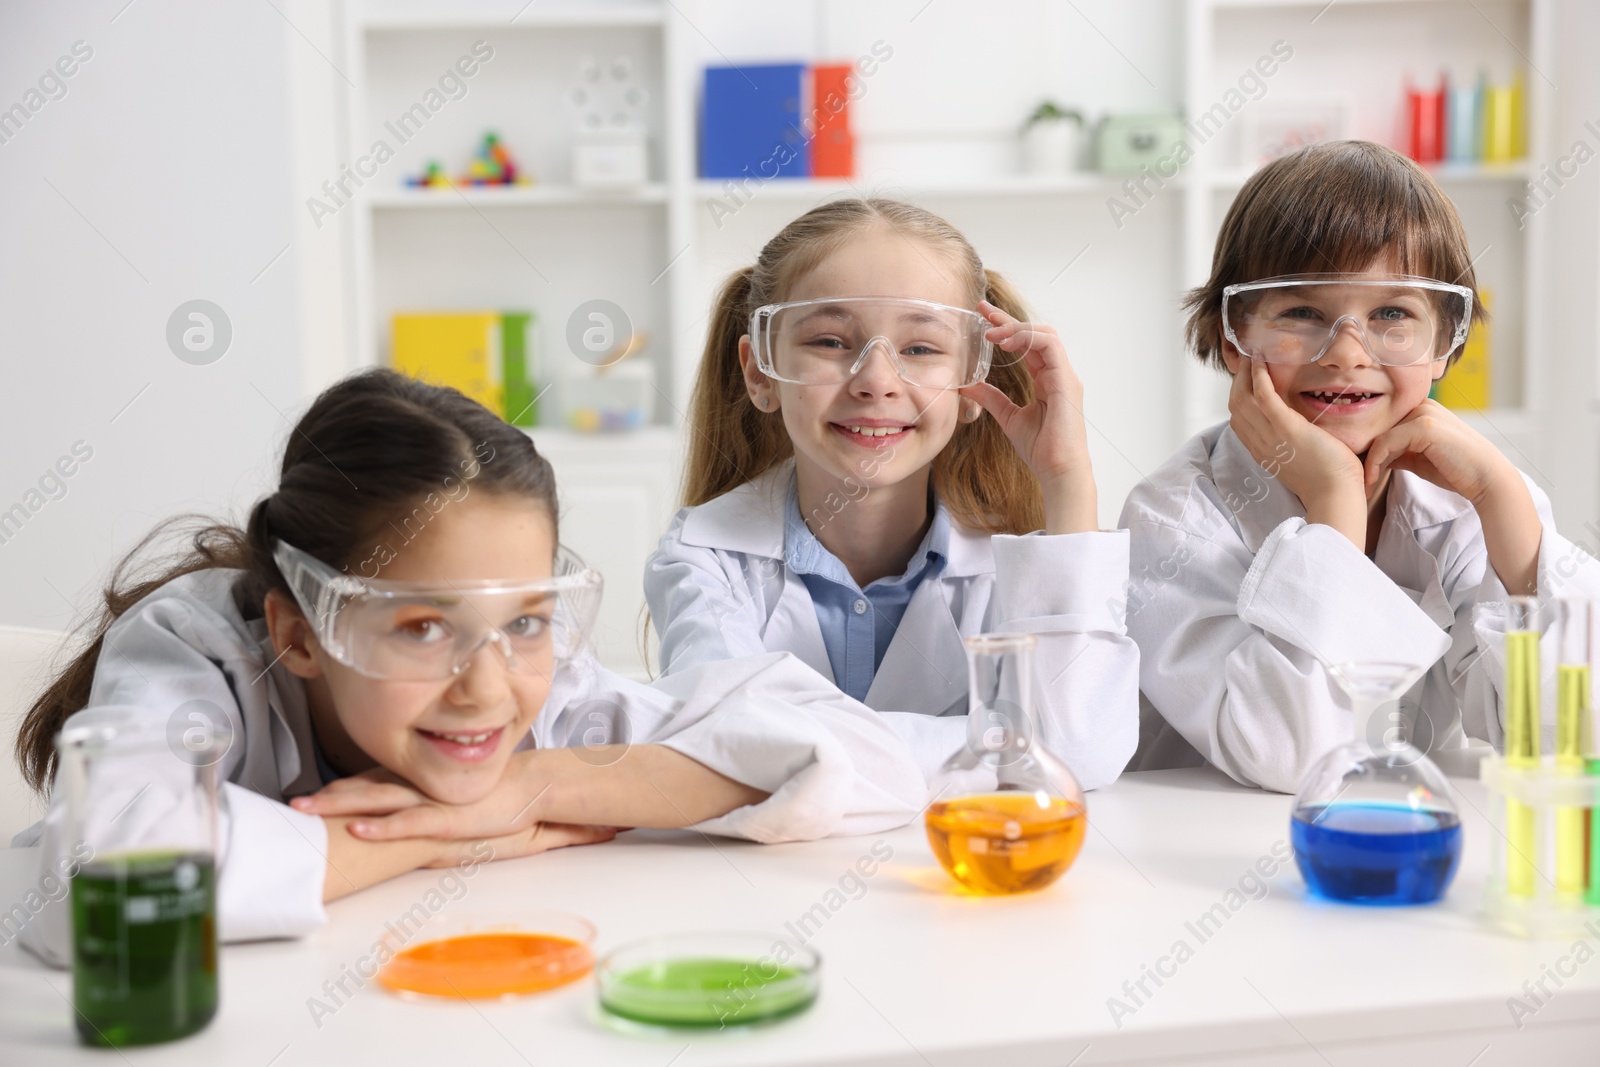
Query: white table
point(915, 974)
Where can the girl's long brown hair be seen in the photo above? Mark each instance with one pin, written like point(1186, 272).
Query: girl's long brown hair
point(979, 475)
point(366, 453)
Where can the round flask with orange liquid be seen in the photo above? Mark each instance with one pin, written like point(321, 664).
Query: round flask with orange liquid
point(1016, 817)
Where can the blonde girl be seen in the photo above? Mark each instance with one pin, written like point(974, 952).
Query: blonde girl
point(885, 457)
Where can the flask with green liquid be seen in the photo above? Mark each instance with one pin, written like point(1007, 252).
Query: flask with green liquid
point(144, 934)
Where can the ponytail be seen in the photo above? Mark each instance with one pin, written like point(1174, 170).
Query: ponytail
point(731, 441)
point(210, 545)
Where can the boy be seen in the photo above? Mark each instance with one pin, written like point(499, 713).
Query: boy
point(1339, 515)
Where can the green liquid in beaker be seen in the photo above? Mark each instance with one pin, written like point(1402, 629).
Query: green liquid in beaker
point(144, 947)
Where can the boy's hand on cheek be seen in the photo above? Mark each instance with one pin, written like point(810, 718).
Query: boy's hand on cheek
point(1434, 443)
point(1311, 463)
point(1049, 433)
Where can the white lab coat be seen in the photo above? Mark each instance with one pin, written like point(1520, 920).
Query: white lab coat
point(1238, 604)
point(718, 588)
point(830, 765)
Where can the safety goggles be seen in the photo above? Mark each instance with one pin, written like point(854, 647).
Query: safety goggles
point(1402, 320)
point(409, 631)
point(824, 342)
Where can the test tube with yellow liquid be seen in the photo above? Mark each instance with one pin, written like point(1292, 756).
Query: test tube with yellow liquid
point(1522, 740)
point(1574, 739)
point(1016, 818)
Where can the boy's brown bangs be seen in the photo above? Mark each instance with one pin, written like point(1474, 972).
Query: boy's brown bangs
point(1304, 226)
point(1345, 206)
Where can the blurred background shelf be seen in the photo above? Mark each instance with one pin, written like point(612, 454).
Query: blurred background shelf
point(1082, 183)
point(511, 14)
point(1445, 173)
point(1105, 258)
point(514, 196)
point(264, 108)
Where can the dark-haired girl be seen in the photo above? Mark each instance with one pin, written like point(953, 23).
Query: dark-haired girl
point(396, 621)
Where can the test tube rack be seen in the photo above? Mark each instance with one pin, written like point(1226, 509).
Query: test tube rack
point(1544, 869)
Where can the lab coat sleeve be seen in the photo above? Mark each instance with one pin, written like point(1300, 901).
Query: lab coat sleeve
point(699, 603)
point(160, 656)
point(830, 765)
point(931, 739)
point(1070, 591)
point(271, 871)
point(1233, 646)
point(1565, 570)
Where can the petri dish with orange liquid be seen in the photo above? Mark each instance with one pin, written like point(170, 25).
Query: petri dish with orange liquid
point(1018, 819)
point(473, 959)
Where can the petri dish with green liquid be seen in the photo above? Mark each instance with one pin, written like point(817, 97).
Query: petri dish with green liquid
point(708, 981)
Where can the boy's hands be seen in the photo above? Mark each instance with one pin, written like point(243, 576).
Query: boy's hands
point(1434, 443)
point(1311, 463)
point(1049, 433)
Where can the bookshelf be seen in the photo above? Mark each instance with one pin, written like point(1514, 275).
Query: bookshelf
point(660, 250)
point(547, 247)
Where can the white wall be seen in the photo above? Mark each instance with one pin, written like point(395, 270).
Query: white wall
point(1571, 391)
point(160, 177)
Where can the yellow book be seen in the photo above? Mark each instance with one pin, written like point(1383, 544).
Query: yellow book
point(1465, 386)
point(1501, 122)
point(460, 349)
point(1519, 119)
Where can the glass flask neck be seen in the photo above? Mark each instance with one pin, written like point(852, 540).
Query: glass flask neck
point(1000, 714)
point(1371, 689)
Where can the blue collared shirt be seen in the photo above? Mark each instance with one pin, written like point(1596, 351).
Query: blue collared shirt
point(858, 624)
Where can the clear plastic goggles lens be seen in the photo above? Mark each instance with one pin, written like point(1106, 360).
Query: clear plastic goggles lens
point(824, 342)
point(434, 637)
point(1401, 321)
point(386, 630)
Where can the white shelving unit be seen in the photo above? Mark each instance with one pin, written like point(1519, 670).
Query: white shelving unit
point(514, 196)
point(502, 246)
point(1085, 183)
point(547, 247)
point(660, 250)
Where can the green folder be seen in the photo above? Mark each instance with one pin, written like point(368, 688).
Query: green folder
point(521, 404)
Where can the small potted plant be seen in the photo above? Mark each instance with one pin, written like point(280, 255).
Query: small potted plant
point(1050, 139)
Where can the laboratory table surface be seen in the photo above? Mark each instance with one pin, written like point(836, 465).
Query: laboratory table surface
point(1163, 943)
